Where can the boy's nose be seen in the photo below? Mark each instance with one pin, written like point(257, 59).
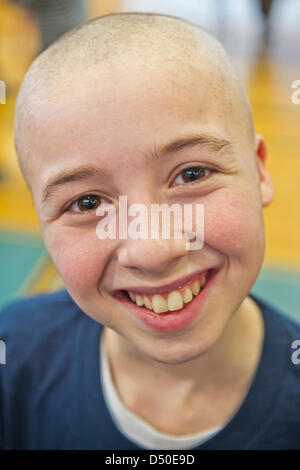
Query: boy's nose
point(150, 255)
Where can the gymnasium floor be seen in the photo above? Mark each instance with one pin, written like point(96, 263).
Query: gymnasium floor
point(268, 70)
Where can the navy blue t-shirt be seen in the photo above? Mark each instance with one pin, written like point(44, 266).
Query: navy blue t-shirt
point(51, 396)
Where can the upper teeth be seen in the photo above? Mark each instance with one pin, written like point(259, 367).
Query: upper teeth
point(173, 301)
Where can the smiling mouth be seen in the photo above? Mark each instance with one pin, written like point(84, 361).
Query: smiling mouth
point(170, 301)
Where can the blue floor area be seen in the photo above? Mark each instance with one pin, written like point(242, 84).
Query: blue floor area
point(18, 255)
point(281, 288)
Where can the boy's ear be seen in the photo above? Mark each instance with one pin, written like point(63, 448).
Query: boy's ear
point(266, 184)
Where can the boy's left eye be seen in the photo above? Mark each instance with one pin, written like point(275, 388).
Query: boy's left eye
point(188, 175)
point(85, 203)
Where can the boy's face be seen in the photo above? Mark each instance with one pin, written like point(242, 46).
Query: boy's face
point(112, 123)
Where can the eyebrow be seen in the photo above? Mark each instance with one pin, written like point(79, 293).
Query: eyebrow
point(212, 143)
point(68, 176)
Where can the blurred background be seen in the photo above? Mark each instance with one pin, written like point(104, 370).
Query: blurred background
point(263, 39)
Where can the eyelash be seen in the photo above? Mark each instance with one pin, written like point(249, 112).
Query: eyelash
point(94, 196)
point(210, 170)
point(85, 196)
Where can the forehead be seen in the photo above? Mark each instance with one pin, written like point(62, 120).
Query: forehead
point(115, 115)
point(134, 98)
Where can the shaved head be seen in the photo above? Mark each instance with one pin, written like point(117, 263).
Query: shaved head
point(108, 44)
point(148, 107)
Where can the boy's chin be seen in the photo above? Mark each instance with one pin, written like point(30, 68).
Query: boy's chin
point(179, 353)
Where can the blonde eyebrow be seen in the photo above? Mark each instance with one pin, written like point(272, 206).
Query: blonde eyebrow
point(68, 176)
point(212, 143)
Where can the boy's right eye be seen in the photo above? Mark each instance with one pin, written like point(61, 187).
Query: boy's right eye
point(85, 203)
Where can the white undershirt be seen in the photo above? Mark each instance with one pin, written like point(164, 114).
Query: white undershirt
point(135, 428)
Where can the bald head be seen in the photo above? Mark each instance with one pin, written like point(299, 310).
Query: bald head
point(109, 43)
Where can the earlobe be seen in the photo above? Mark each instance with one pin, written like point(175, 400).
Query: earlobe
point(266, 184)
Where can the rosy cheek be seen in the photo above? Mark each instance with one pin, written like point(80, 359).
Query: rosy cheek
point(232, 224)
point(79, 256)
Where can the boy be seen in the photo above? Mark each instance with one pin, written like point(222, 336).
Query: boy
point(146, 106)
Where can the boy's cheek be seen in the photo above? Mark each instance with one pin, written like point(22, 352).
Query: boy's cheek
point(79, 256)
point(233, 226)
point(235, 231)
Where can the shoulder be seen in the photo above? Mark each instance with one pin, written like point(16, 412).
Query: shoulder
point(36, 300)
point(37, 310)
point(282, 341)
point(47, 337)
point(39, 322)
point(275, 319)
